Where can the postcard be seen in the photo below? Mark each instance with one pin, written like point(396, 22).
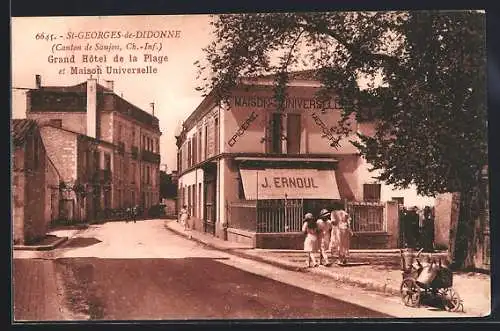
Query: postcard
point(316, 165)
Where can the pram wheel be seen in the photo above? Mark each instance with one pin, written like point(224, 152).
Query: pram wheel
point(451, 300)
point(410, 292)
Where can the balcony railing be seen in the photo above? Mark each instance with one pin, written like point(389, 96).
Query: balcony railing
point(150, 157)
point(135, 152)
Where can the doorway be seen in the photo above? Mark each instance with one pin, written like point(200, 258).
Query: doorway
point(210, 198)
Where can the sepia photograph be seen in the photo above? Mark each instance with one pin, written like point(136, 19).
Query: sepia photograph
point(250, 166)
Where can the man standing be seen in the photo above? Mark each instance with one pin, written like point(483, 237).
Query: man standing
point(325, 227)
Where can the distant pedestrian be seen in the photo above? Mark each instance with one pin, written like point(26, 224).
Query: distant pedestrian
point(345, 232)
point(135, 212)
point(324, 229)
point(184, 216)
point(310, 228)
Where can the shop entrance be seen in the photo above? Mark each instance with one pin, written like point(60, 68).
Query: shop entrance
point(210, 198)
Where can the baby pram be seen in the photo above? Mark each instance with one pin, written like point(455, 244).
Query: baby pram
point(429, 280)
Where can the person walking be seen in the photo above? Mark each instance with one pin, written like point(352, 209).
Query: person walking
point(324, 229)
point(310, 228)
point(345, 233)
point(184, 216)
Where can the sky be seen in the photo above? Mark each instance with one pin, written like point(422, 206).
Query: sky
point(172, 89)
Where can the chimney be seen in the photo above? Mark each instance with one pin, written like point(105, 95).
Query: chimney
point(91, 107)
point(38, 81)
point(110, 84)
point(152, 105)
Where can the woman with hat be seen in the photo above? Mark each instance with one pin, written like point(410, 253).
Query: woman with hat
point(343, 220)
point(325, 228)
point(310, 228)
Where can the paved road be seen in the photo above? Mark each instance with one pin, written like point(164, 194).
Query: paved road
point(124, 271)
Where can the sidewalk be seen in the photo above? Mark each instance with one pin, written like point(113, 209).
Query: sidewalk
point(378, 270)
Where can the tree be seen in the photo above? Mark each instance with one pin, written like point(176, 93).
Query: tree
point(429, 103)
point(168, 188)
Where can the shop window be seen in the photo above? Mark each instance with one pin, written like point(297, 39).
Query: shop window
point(293, 130)
point(371, 192)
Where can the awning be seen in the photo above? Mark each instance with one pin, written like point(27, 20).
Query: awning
point(292, 183)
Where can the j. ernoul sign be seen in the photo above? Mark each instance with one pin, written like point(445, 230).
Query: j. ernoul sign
point(292, 183)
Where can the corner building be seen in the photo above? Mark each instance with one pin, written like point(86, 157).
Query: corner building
point(124, 140)
point(249, 173)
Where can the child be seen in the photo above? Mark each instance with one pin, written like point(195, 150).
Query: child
point(184, 216)
point(310, 228)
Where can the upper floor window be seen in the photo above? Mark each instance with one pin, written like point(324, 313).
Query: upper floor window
point(293, 131)
point(275, 133)
point(216, 135)
point(371, 192)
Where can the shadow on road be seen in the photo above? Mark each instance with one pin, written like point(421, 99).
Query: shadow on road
point(189, 288)
point(79, 242)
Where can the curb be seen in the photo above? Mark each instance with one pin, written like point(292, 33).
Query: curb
point(383, 288)
point(41, 247)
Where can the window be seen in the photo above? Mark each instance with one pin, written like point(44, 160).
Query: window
point(179, 160)
point(189, 154)
point(195, 207)
point(56, 122)
point(275, 129)
point(96, 160)
point(143, 142)
point(195, 149)
point(119, 133)
point(206, 142)
point(36, 152)
point(199, 147)
point(107, 161)
point(399, 200)
point(293, 131)
point(216, 135)
point(371, 192)
point(132, 165)
point(199, 200)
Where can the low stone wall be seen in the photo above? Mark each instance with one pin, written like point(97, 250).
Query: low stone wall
point(371, 240)
point(241, 236)
point(288, 240)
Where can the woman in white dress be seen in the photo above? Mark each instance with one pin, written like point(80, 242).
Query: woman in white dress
point(310, 228)
point(344, 234)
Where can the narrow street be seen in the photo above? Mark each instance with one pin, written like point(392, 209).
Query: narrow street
point(129, 271)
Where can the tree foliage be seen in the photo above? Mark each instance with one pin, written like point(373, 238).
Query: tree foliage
point(430, 103)
point(430, 100)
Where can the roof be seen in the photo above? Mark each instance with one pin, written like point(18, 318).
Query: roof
point(21, 128)
point(76, 101)
point(79, 88)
